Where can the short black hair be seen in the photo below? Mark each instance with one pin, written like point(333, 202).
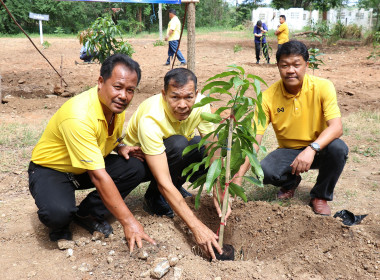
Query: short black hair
point(259, 23)
point(283, 16)
point(293, 47)
point(180, 77)
point(119, 58)
point(172, 11)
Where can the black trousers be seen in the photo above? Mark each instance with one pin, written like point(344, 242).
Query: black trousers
point(174, 146)
point(258, 49)
point(54, 191)
point(330, 162)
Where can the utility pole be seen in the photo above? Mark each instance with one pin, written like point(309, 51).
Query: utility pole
point(160, 19)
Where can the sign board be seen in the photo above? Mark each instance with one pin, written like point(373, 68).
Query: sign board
point(132, 1)
point(39, 16)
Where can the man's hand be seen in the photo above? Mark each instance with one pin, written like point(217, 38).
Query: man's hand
point(219, 211)
point(134, 233)
point(303, 161)
point(166, 38)
point(127, 151)
point(206, 239)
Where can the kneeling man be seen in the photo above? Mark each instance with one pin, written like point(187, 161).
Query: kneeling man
point(164, 125)
point(74, 153)
point(306, 119)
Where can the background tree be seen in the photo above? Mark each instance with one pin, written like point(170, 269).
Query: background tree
point(372, 4)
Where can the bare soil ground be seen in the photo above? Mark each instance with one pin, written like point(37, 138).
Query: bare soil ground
point(272, 240)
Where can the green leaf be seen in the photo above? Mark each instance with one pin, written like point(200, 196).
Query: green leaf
point(223, 74)
point(254, 181)
point(213, 173)
point(254, 77)
point(189, 149)
point(242, 110)
point(221, 109)
point(220, 90)
point(204, 101)
point(210, 117)
point(254, 163)
point(214, 84)
point(238, 82)
point(239, 191)
point(198, 198)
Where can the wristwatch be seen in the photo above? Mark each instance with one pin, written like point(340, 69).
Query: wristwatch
point(315, 146)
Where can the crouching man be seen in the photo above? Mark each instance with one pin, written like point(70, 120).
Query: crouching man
point(164, 125)
point(74, 153)
point(306, 119)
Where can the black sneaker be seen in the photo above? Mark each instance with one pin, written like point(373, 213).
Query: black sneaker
point(62, 233)
point(92, 224)
point(157, 206)
point(257, 62)
point(184, 192)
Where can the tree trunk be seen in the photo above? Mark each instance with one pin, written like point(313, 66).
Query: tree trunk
point(191, 37)
point(324, 15)
point(139, 17)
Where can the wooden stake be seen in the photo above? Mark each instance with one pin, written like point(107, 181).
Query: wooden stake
point(61, 68)
point(228, 175)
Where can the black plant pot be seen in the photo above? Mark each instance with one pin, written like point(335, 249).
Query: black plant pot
point(227, 255)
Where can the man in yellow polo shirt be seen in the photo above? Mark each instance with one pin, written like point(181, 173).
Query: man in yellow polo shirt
point(306, 119)
point(74, 153)
point(173, 34)
point(164, 125)
point(282, 32)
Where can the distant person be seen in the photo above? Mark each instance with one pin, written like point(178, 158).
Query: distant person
point(173, 34)
point(85, 54)
point(74, 153)
point(164, 125)
point(282, 32)
point(306, 119)
point(260, 31)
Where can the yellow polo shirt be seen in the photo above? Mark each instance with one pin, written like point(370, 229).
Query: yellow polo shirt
point(153, 122)
point(76, 137)
point(175, 25)
point(299, 119)
point(283, 37)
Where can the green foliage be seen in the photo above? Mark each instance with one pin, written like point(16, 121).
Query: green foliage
point(235, 134)
point(375, 53)
point(105, 37)
point(59, 30)
point(158, 43)
point(314, 61)
point(46, 44)
point(237, 48)
point(238, 27)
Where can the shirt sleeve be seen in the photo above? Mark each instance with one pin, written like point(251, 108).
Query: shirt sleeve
point(204, 126)
point(329, 101)
point(82, 144)
point(281, 28)
point(150, 137)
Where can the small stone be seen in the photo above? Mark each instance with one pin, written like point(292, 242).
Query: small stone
point(177, 273)
point(160, 270)
point(58, 90)
point(218, 278)
point(145, 274)
point(32, 274)
point(66, 94)
point(69, 252)
point(111, 253)
point(109, 259)
point(143, 255)
point(65, 244)
point(50, 96)
point(21, 81)
point(94, 251)
point(173, 260)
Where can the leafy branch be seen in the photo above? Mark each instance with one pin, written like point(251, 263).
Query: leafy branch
point(235, 136)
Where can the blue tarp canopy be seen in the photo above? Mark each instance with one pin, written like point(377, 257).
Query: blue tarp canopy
point(132, 1)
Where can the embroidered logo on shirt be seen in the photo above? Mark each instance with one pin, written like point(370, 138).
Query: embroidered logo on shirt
point(86, 160)
point(280, 110)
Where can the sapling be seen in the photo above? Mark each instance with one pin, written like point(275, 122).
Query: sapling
point(235, 133)
point(314, 61)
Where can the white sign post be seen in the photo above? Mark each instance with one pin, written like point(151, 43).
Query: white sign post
point(40, 18)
